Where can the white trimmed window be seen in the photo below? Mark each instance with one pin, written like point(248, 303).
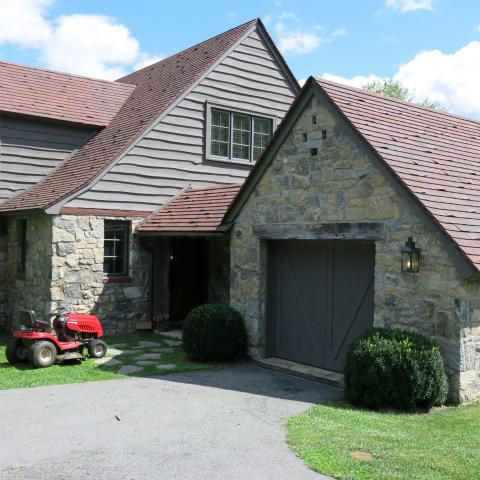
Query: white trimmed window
point(238, 136)
point(115, 243)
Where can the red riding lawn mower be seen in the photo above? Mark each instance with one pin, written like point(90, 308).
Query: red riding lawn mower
point(63, 338)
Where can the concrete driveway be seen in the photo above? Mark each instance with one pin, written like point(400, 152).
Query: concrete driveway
point(204, 425)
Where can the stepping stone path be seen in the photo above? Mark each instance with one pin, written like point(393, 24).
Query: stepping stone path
point(166, 366)
point(144, 344)
point(107, 362)
point(113, 352)
point(149, 356)
point(129, 369)
point(162, 350)
point(145, 362)
point(172, 343)
point(120, 345)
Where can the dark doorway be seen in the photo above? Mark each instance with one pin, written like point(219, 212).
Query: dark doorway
point(188, 275)
point(320, 297)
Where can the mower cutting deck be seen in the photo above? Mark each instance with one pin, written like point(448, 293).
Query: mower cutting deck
point(43, 343)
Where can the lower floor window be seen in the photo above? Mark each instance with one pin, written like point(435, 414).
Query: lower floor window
point(115, 260)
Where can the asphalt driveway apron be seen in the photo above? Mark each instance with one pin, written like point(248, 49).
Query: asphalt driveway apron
point(227, 424)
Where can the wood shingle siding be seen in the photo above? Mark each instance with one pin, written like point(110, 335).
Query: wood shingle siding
point(172, 153)
point(30, 149)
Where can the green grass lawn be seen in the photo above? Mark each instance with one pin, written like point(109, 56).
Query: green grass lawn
point(23, 375)
point(349, 443)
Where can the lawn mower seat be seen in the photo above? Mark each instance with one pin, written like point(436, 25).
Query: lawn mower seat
point(28, 318)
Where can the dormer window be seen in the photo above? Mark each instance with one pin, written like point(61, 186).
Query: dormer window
point(237, 136)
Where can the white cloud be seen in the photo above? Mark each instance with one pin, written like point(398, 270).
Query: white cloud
point(339, 32)
point(358, 81)
point(404, 6)
point(146, 60)
point(23, 22)
point(287, 16)
point(450, 79)
point(298, 40)
point(93, 45)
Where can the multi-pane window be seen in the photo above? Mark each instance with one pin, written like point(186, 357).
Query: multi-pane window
point(238, 136)
point(21, 246)
point(262, 131)
point(115, 244)
point(220, 133)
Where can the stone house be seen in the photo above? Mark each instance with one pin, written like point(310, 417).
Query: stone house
point(84, 161)
point(318, 229)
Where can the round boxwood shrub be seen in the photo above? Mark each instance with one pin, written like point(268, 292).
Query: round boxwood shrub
point(391, 368)
point(214, 332)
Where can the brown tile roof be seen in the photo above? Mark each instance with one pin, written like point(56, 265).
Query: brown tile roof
point(72, 98)
point(436, 155)
point(158, 86)
point(194, 210)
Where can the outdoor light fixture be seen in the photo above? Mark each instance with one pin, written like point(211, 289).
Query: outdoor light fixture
point(410, 257)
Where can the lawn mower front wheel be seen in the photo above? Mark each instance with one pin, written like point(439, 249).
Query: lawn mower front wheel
point(42, 354)
point(97, 348)
point(15, 351)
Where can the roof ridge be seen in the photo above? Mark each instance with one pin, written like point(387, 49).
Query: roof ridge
point(253, 22)
point(58, 72)
point(396, 100)
point(213, 187)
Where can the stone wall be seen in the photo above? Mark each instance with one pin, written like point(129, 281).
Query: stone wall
point(343, 183)
point(3, 280)
point(30, 290)
point(78, 279)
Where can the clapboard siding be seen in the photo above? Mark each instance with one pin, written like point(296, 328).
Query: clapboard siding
point(172, 154)
point(30, 149)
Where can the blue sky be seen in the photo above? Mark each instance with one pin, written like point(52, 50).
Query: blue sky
point(432, 46)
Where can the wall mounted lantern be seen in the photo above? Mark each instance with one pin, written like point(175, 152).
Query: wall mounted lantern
point(410, 257)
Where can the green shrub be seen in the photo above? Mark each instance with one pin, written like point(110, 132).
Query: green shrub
point(214, 332)
point(395, 369)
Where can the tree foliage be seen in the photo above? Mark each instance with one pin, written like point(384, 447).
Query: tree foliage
point(394, 89)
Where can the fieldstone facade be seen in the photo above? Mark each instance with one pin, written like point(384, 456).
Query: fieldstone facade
point(78, 279)
point(3, 278)
point(29, 290)
point(64, 266)
point(343, 182)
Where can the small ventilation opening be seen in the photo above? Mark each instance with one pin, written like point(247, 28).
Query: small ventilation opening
point(314, 119)
point(313, 152)
point(304, 136)
point(324, 134)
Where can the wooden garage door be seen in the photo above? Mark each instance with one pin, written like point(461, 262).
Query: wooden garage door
point(320, 297)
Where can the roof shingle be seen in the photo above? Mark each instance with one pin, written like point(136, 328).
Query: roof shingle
point(157, 87)
point(436, 155)
point(195, 210)
point(60, 96)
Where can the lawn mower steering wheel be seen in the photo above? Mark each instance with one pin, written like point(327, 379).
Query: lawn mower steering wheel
point(57, 311)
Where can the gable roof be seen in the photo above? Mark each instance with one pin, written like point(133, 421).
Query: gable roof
point(433, 154)
point(194, 210)
point(38, 92)
point(157, 88)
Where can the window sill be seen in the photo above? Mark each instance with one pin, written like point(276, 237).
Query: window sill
point(119, 279)
point(229, 161)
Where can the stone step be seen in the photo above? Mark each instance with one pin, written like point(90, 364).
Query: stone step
point(306, 371)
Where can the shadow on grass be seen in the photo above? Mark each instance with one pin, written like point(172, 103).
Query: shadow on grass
point(242, 377)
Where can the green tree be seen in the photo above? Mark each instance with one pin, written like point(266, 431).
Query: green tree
point(394, 89)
